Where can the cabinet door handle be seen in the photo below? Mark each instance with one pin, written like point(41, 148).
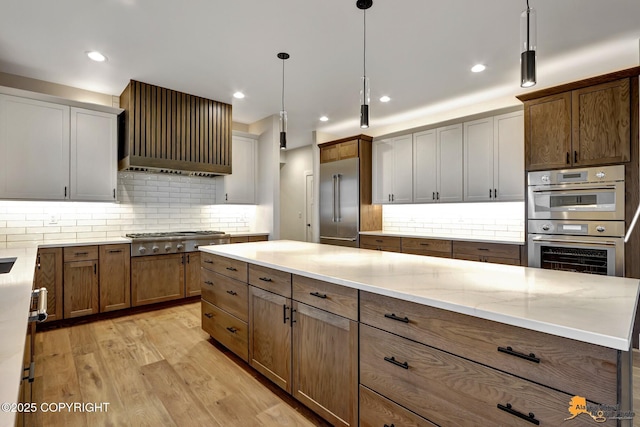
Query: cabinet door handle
point(95, 268)
point(38, 263)
point(208, 261)
point(188, 259)
point(232, 269)
point(393, 197)
point(489, 193)
point(437, 195)
point(232, 329)
point(81, 253)
point(575, 157)
point(292, 320)
point(433, 196)
point(495, 193)
point(114, 193)
point(531, 417)
point(284, 313)
point(208, 315)
point(65, 192)
point(318, 294)
point(393, 360)
point(392, 316)
point(483, 249)
point(265, 279)
point(425, 244)
point(568, 161)
point(226, 197)
point(232, 293)
point(208, 282)
point(389, 197)
point(531, 357)
point(115, 251)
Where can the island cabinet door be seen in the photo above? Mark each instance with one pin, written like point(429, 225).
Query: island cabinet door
point(325, 364)
point(451, 391)
point(270, 336)
point(49, 275)
point(80, 288)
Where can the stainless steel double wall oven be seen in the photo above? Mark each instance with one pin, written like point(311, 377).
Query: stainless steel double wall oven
point(576, 220)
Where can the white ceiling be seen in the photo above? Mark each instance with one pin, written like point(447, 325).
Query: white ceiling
point(418, 52)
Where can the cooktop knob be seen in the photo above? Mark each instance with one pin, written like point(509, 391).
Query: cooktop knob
point(600, 229)
point(142, 249)
point(155, 249)
point(167, 248)
point(179, 246)
point(546, 227)
point(600, 174)
point(545, 178)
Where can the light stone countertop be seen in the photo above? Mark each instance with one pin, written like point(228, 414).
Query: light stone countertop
point(590, 308)
point(15, 296)
point(507, 240)
point(246, 233)
point(83, 242)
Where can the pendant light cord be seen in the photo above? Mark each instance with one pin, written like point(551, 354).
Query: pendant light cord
point(364, 50)
point(283, 85)
point(528, 14)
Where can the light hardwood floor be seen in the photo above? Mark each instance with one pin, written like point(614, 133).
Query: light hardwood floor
point(160, 369)
point(155, 369)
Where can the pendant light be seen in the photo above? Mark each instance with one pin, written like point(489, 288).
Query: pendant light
point(364, 84)
point(528, 47)
point(283, 113)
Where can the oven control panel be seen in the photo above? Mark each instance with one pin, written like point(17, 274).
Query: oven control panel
point(576, 228)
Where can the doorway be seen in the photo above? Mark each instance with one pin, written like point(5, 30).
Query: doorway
point(309, 206)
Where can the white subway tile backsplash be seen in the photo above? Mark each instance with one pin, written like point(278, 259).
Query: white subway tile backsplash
point(146, 202)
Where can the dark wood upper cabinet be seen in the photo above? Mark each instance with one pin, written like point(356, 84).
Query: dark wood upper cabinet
point(166, 129)
point(586, 124)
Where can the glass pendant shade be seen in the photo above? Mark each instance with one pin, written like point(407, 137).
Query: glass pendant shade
point(365, 97)
point(283, 130)
point(528, 37)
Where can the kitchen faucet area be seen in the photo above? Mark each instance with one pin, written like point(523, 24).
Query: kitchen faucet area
point(227, 215)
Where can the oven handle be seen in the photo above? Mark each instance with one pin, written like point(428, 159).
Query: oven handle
point(571, 188)
point(580, 242)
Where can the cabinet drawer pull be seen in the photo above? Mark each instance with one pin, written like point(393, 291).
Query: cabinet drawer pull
point(392, 316)
point(208, 282)
point(530, 357)
point(387, 425)
point(425, 244)
point(208, 261)
point(232, 329)
point(81, 253)
point(265, 279)
point(483, 249)
point(318, 294)
point(232, 269)
point(393, 360)
point(209, 315)
point(531, 417)
point(115, 251)
point(379, 241)
point(234, 293)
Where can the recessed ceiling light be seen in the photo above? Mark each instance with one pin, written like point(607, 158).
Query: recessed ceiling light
point(238, 95)
point(96, 56)
point(385, 99)
point(324, 119)
point(478, 68)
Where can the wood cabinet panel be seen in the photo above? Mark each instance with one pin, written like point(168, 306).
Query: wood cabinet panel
point(329, 154)
point(192, 269)
point(325, 373)
point(80, 253)
point(418, 245)
point(115, 277)
point(601, 124)
point(80, 288)
point(270, 336)
point(376, 410)
point(228, 330)
point(275, 281)
point(499, 250)
point(490, 259)
point(339, 151)
point(568, 365)
point(348, 150)
point(239, 239)
point(337, 299)
point(548, 132)
point(169, 129)
point(380, 248)
point(461, 392)
point(226, 293)
point(49, 275)
point(156, 279)
point(225, 266)
point(259, 238)
point(381, 243)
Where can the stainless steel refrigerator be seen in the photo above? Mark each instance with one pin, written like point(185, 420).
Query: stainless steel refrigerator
point(340, 202)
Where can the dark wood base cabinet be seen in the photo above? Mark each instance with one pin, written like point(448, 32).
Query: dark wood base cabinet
point(156, 279)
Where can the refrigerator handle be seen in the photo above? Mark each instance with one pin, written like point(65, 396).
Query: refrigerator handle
point(339, 218)
point(333, 219)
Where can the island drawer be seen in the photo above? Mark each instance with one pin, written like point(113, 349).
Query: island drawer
point(225, 266)
point(340, 300)
point(429, 247)
point(498, 250)
point(381, 243)
point(376, 410)
point(80, 253)
point(226, 329)
point(271, 280)
point(449, 390)
point(226, 293)
point(572, 366)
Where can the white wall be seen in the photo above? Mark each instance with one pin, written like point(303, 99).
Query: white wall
point(148, 202)
point(478, 220)
point(292, 193)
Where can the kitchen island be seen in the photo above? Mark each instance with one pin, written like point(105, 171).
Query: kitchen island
point(457, 309)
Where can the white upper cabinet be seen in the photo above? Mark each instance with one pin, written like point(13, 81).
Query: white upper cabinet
point(393, 170)
point(34, 149)
point(449, 163)
point(425, 166)
point(94, 155)
point(240, 186)
point(494, 158)
point(51, 151)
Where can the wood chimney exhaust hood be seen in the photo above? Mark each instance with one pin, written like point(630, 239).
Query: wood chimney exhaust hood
point(173, 132)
